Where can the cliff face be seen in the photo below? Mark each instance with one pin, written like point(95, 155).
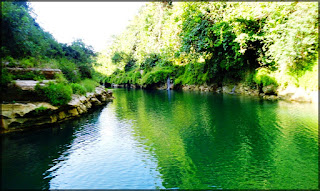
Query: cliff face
point(18, 116)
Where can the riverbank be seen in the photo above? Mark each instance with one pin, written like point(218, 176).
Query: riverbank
point(289, 93)
point(25, 114)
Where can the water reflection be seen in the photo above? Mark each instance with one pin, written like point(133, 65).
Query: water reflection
point(24, 159)
point(169, 139)
point(203, 140)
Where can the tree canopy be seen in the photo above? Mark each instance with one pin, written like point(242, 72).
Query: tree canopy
point(208, 42)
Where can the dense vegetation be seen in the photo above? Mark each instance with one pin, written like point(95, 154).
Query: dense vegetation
point(257, 43)
point(25, 44)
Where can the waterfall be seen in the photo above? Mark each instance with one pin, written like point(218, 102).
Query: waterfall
point(168, 83)
point(233, 89)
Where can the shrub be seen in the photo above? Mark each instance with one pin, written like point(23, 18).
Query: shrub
point(57, 94)
point(30, 75)
point(60, 78)
point(157, 75)
point(27, 63)
point(6, 77)
point(78, 89)
point(263, 77)
point(89, 84)
point(70, 70)
point(11, 61)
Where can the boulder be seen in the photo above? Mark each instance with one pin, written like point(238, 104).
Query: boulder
point(269, 90)
point(75, 101)
point(95, 101)
point(227, 89)
point(99, 91)
point(21, 109)
point(73, 112)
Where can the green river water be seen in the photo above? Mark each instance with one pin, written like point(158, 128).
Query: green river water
point(170, 139)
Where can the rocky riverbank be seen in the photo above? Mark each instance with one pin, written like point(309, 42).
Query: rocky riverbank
point(270, 92)
point(21, 115)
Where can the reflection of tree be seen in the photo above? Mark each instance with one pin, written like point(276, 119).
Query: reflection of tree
point(27, 156)
point(201, 140)
point(296, 153)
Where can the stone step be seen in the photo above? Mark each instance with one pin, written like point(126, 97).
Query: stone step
point(30, 84)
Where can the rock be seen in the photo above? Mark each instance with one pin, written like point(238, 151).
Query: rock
point(269, 90)
point(103, 98)
point(95, 101)
point(62, 115)
point(82, 109)
point(21, 109)
point(75, 101)
point(287, 92)
point(295, 94)
point(88, 105)
point(89, 95)
point(54, 118)
point(227, 89)
point(47, 72)
point(29, 85)
point(21, 115)
point(83, 99)
point(301, 96)
point(99, 91)
point(272, 97)
point(73, 112)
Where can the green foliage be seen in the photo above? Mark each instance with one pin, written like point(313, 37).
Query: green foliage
point(214, 42)
point(22, 36)
point(263, 77)
point(60, 78)
point(309, 80)
point(151, 61)
point(291, 34)
point(70, 70)
point(89, 84)
point(6, 77)
point(30, 75)
point(78, 89)
point(25, 44)
point(156, 76)
point(26, 63)
point(81, 55)
point(11, 61)
point(40, 109)
point(57, 94)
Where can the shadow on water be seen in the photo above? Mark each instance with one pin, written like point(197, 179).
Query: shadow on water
point(26, 156)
